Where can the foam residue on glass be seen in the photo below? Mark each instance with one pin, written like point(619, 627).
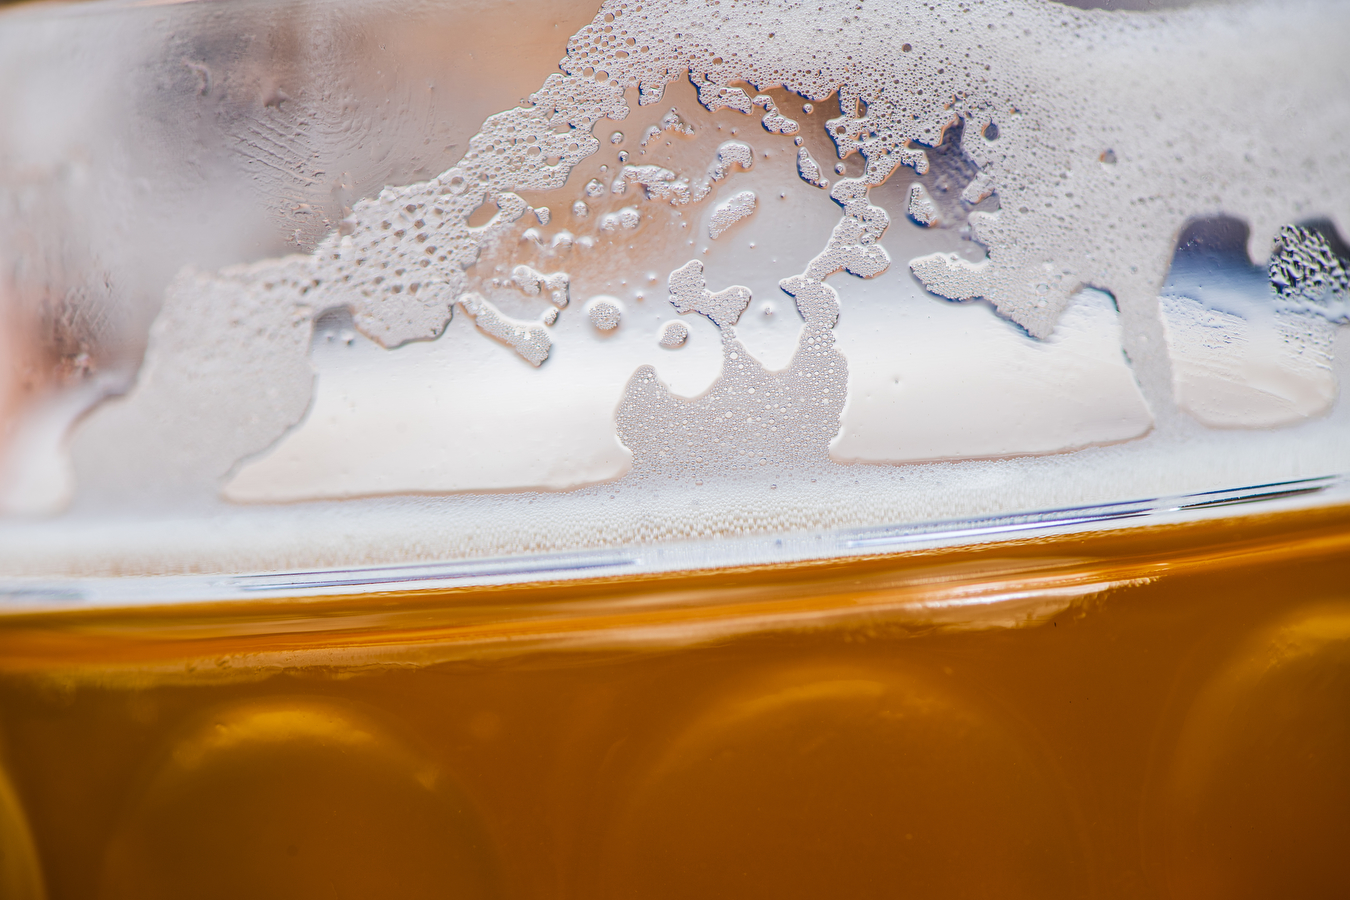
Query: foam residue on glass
point(980, 280)
point(1252, 346)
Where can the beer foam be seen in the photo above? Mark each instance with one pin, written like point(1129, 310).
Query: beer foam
point(606, 313)
point(689, 293)
point(530, 340)
point(674, 335)
point(536, 283)
point(921, 207)
point(1088, 139)
point(731, 211)
point(1041, 121)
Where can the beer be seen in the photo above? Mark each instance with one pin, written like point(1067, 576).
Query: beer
point(1156, 711)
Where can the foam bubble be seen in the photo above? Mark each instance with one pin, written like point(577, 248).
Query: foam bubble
point(773, 121)
point(674, 334)
point(605, 313)
point(809, 169)
point(530, 340)
point(626, 219)
point(731, 211)
point(555, 286)
point(1308, 275)
point(670, 123)
point(921, 207)
point(689, 293)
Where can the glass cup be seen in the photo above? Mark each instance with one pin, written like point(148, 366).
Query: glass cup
point(514, 449)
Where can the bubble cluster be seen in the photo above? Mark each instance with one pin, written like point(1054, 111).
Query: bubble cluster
point(736, 207)
point(555, 287)
point(674, 335)
point(399, 262)
point(1087, 176)
point(605, 313)
point(767, 425)
point(1306, 273)
point(670, 122)
point(528, 339)
point(921, 207)
point(773, 121)
point(689, 293)
point(809, 170)
point(662, 184)
point(625, 219)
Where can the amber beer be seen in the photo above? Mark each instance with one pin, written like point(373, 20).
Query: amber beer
point(1156, 711)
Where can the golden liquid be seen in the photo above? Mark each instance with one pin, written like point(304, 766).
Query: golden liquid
point(1160, 712)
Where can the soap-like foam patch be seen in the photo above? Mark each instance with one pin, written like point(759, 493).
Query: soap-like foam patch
point(921, 207)
point(730, 211)
point(531, 341)
point(689, 293)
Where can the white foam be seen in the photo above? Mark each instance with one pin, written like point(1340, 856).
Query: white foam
point(738, 206)
point(809, 170)
point(1112, 130)
point(605, 313)
point(921, 207)
point(674, 335)
point(689, 293)
point(774, 121)
point(536, 283)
